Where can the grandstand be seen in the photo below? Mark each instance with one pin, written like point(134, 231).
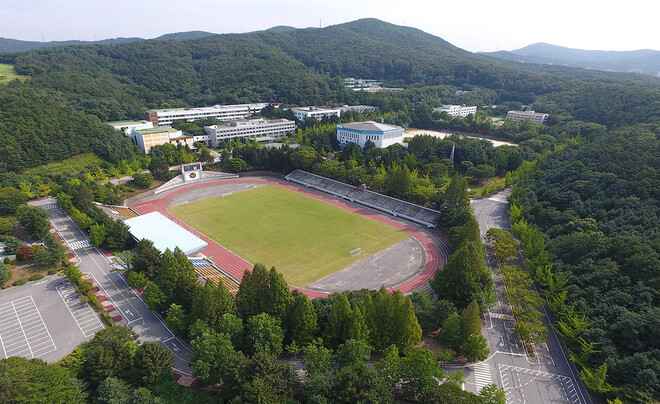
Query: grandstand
point(210, 271)
point(125, 211)
point(383, 203)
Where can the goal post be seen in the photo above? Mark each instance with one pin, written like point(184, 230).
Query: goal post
point(355, 252)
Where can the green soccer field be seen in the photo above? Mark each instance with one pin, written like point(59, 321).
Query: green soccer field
point(302, 237)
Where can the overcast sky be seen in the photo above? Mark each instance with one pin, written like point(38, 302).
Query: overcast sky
point(475, 25)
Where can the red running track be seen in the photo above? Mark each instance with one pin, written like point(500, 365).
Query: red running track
point(236, 265)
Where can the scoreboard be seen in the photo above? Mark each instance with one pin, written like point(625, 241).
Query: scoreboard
point(191, 172)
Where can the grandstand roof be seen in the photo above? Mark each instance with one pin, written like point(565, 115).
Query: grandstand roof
point(164, 233)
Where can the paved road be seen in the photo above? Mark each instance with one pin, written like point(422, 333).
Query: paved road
point(145, 323)
point(548, 377)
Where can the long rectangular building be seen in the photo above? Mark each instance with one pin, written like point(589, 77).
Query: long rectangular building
point(253, 128)
point(145, 139)
point(521, 116)
point(221, 112)
point(460, 111)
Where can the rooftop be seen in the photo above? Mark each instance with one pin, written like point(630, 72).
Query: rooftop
point(212, 107)
point(159, 129)
point(370, 126)
point(117, 123)
point(164, 233)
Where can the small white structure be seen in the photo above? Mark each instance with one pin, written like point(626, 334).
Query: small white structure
point(358, 108)
point(253, 128)
point(381, 134)
point(460, 111)
point(317, 113)
point(164, 233)
point(521, 116)
point(129, 126)
point(191, 172)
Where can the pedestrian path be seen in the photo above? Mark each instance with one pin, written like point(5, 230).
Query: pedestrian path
point(76, 245)
point(482, 375)
point(503, 316)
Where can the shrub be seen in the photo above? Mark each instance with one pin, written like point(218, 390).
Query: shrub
point(74, 274)
point(107, 318)
point(7, 261)
point(20, 282)
point(53, 271)
point(35, 277)
point(84, 287)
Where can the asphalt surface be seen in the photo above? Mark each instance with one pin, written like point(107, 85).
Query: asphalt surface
point(125, 299)
point(546, 376)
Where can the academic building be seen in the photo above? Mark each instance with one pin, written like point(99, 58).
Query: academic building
point(317, 113)
point(383, 135)
point(520, 116)
point(460, 111)
point(221, 112)
point(159, 135)
point(260, 129)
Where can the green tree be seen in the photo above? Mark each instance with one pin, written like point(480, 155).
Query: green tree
point(97, 233)
point(213, 354)
point(358, 384)
point(400, 180)
point(340, 320)
point(420, 370)
point(177, 320)
point(10, 199)
point(303, 322)
point(113, 391)
point(4, 273)
point(280, 299)
point(352, 353)
point(408, 331)
point(211, 302)
point(159, 168)
point(34, 381)
point(596, 380)
point(6, 226)
point(263, 334)
point(147, 258)
point(137, 279)
point(476, 348)
point(154, 297)
point(317, 359)
point(232, 326)
point(34, 220)
point(150, 360)
point(109, 354)
point(451, 331)
point(491, 394)
point(426, 311)
point(463, 275)
point(470, 320)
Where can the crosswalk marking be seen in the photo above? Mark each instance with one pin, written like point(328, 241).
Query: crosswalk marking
point(499, 198)
point(75, 245)
point(503, 316)
point(51, 206)
point(482, 375)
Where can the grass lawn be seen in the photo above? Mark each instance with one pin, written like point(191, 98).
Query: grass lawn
point(7, 74)
point(302, 237)
point(73, 165)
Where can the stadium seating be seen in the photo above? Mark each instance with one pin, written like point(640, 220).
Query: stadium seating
point(209, 271)
point(410, 211)
point(125, 211)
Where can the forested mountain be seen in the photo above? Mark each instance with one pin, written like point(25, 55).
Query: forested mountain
point(17, 45)
point(306, 66)
point(599, 206)
point(646, 61)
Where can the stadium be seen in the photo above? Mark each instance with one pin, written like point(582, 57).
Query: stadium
point(324, 236)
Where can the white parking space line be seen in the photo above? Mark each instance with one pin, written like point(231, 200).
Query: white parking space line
point(23, 331)
point(83, 314)
point(514, 387)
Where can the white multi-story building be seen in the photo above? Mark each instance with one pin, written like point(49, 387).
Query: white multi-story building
point(317, 113)
point(128, 126)
point(358, 108)
point(254, 128)
point(521, 116)
point(221, 112)
point(383, 135)
point(460, 111)
point(159, 135)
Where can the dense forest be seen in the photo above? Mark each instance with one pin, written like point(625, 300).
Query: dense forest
point(598, 206)
point(300, 67)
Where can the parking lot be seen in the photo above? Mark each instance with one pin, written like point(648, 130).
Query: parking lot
point(22, 330)
point(82, 313)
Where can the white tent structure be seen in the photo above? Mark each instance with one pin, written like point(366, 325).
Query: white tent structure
point(164, 233)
